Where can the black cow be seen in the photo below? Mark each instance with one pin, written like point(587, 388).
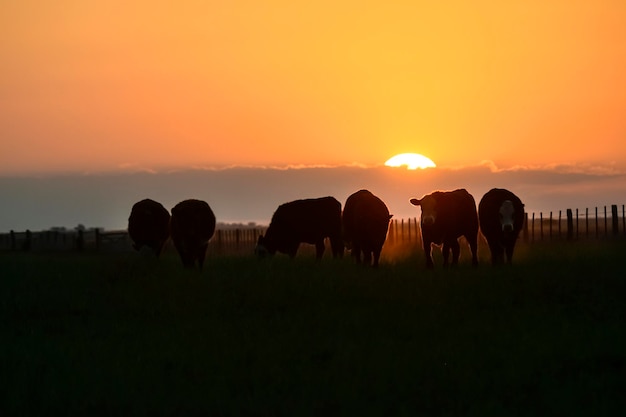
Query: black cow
point(501, 216)
point(365, 223)
point(192, 226)
point(149, 225)
point(303, 221)
point(446, 216)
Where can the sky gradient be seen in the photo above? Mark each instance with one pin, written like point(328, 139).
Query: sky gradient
point(117, 86)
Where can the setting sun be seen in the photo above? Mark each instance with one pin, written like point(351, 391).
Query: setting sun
point(411, 160)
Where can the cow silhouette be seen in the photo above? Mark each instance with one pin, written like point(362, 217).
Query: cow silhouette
point(303, 221)
point(446, 216)
point(149, 226)
point(365, 224)
point(501, 217)
point(192, 226)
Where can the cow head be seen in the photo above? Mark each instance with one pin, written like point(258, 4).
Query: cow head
point(507, 216)
point(429, 209)
point(261, 248)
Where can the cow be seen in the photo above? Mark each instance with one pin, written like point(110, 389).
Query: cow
point(192, 226)
point(365, 223)
point(303, 221)
point(149, 226)
point(501, 217)
point(446, 216)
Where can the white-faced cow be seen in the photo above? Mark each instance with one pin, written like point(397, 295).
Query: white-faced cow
point(365, 223)
point(149, 226)
point(446, 216)
point(192, 226)
point(303, 221)
point(501, 216)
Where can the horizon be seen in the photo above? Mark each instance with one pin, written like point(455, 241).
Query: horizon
point(246, 194)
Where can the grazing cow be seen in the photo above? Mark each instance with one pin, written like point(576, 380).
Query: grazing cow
point(446, 216)
point(149, 226)
point(365, 223)
point(501, 217)
point(192, 226)
point(303, 221)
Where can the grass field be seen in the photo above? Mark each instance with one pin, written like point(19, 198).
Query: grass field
point(117, 334)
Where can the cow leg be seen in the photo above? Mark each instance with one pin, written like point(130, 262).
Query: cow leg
point(337, 246)
point(376, 258)
point(188, 260)
point(497, 253)
point(456, 251)
point(319, 249)
point(293, 249)
point(202, 254)
point(158, 248)
point(473, 244)
point(509, 252)
point(367, 257)
point(445, 251)
point(429, 259)
point(356, 252)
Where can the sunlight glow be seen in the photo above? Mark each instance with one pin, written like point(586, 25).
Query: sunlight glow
point(411, 160)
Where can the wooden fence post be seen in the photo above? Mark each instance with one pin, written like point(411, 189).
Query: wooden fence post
point(418, 231)
point(80, 240)
point(532, 229)
point(560, 224)
point(409, 227)
point(570, 225)
point(526, 227)
point(597, 231)
point(395, 232)
point(541, 224)
point(98, 239)
point(220, 242)
point(28, 242)
point(550, 228)
point(615, 219)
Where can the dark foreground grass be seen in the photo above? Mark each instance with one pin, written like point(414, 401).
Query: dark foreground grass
point(117, 334)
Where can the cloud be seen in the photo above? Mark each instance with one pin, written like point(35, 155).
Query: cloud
point(573, 168)
point(133, 167)
point(277, 167)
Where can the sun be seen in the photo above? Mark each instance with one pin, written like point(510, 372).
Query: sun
point(411, 160)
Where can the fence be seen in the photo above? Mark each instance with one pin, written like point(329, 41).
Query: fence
point(403, 231)
point(576, 225)
point(227, 241)
point(235, 241)
point(571, 225)
point(54, 240)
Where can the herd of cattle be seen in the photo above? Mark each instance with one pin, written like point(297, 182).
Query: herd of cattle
point(361, 227)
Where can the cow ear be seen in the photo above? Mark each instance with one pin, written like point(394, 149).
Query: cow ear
point(415, 201)
point(390, 216)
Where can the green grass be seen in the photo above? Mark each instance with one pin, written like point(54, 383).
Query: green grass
point(116, 334)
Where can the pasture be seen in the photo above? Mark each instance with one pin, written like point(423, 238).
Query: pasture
point(104, 334)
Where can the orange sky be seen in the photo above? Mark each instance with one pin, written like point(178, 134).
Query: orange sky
point(108, 85)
